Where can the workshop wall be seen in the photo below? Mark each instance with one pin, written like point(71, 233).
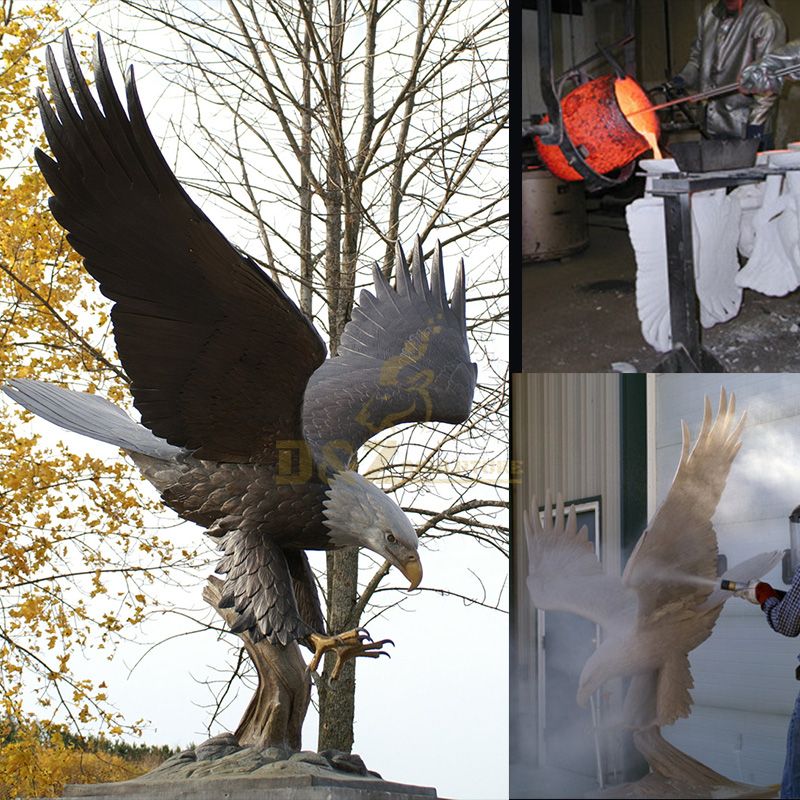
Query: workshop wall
point(744, 673)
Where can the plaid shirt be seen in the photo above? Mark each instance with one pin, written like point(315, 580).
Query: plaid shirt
point(783, 615)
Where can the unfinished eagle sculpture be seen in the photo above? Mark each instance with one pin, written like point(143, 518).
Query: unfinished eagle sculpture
point(231, 379)
point(664, 605)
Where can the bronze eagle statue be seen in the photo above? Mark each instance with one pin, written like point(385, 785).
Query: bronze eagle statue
point(247, 429)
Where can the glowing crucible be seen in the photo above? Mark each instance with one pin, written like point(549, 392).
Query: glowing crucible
point(604, 119)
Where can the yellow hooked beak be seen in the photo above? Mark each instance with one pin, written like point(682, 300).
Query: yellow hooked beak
point(413, 571)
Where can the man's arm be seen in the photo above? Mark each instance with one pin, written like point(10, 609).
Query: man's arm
point(783, 615)
point(768, 35)
point(760, 78)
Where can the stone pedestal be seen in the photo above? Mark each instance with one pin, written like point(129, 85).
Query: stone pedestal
point(221, 769)
point(254, 787)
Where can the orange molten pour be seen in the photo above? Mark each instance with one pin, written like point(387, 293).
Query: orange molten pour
point(631, 97)
point(595, 119)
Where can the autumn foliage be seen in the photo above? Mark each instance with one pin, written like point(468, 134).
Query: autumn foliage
point(38, 760)
point(77, 558)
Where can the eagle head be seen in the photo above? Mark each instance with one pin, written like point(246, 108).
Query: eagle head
point(359, 513)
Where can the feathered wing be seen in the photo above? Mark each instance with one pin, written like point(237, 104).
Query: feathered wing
point(218, 355)
point(680, 545)
point(89, 415)
point(565, 575)
point(403, 357)
point(678, 548)
point(272, 590)
point(305, 590)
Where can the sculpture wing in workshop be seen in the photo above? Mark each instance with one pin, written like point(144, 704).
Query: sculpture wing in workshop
point(222, 362)
point(673, 569)
point(680, 540)
point(565, 575)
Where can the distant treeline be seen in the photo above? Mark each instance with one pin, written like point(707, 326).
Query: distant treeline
point(11, 731)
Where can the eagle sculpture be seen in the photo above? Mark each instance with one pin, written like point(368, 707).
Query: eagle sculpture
point(668, 598)
point(246, 428)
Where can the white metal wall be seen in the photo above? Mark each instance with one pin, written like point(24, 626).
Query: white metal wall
point(744, 673)
point(566, 439)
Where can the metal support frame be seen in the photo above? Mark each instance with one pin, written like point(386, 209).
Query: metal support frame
point(688, 353)
point(556, 134)
point(683, 303)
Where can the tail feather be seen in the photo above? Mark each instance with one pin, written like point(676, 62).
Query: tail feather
point(90, 415)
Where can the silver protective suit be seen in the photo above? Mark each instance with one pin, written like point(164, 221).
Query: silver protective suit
point(761, 77)
point(724, 46)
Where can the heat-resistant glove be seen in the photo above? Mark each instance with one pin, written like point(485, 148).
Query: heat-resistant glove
point(763, 592)
point(760, 78)
point(757, 79)
point(677, 83)
point(674, 87)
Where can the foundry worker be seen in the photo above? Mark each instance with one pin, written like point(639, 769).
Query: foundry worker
point(783, 615)
point(731, 34)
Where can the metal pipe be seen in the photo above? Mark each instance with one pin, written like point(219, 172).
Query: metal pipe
point(557, 135)
point(597, 56)
point(571, 34)
point(595, 731)
point(546, 73)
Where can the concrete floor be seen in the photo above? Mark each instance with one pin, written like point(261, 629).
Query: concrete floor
point(579, 315)
point(548, 782)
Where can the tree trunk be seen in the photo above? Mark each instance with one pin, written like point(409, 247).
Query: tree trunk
point(306, 258)
point(275, 714)
point(337, 700)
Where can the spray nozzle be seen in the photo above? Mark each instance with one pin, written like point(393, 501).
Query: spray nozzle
point(744, 589)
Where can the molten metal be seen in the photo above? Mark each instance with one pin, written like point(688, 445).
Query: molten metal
point(595, 117)
point(631, 97)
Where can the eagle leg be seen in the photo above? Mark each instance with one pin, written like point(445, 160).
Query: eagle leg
point(351, 644)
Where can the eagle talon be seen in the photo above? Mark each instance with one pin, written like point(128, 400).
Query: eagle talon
point(356, 643)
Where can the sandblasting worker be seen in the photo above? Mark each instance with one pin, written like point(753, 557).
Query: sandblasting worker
point(783, 615)
point(731, 34)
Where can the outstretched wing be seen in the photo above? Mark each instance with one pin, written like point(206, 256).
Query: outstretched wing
point(403, 357)
point(565, 575)
point(675, 560)
point(218, 355)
